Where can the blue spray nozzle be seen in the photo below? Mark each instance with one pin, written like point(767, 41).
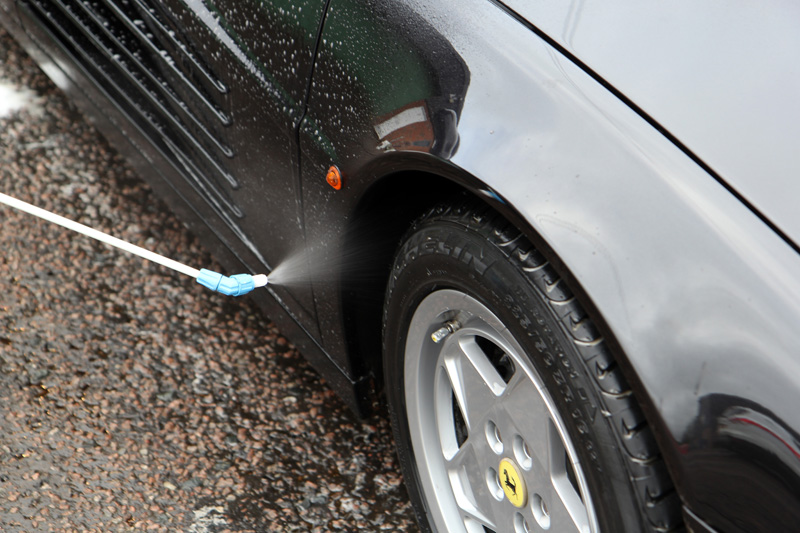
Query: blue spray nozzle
point(230, 285)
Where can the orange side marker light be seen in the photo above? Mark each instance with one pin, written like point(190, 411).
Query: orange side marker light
point(334, 177)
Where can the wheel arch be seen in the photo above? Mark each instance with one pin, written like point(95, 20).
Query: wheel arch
point(377, 226)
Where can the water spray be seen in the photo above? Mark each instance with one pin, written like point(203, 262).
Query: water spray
point(236, 285)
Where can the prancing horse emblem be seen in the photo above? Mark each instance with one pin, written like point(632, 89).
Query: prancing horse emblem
point(508, 483)
point(512, 483)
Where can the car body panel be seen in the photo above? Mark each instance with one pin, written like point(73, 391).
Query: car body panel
point(380, 89)
point(690, 282)
point(166, 177)
point(696, 292)
point(722, 78)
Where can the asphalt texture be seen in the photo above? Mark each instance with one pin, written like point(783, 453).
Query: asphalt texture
point(133, 399)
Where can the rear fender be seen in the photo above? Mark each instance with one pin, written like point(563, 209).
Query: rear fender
point(697, 294)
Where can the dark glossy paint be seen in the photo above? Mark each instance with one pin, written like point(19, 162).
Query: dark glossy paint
point(123, 126)
point(381, 89)
point(699, 70)
point(419, 102)
point(217, 101)
point(654, 240)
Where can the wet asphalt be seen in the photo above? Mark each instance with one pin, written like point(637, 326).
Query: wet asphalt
point(132, 399)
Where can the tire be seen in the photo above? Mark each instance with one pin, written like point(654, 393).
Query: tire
point(518, 419)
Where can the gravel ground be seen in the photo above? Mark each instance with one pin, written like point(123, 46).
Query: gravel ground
point(119, 411)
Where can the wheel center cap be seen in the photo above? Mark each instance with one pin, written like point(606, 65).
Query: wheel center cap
point(512, 483)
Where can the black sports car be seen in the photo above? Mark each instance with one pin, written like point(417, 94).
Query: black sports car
point(559, 239)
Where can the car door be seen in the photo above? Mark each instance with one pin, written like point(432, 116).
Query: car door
point(218, 86)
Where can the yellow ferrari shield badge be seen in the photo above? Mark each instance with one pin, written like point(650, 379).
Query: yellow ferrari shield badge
point(512, 483)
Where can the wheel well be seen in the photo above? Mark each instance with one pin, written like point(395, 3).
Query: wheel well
point(381, 219)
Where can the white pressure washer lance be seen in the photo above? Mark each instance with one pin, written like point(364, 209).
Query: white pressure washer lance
point(229, 285)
